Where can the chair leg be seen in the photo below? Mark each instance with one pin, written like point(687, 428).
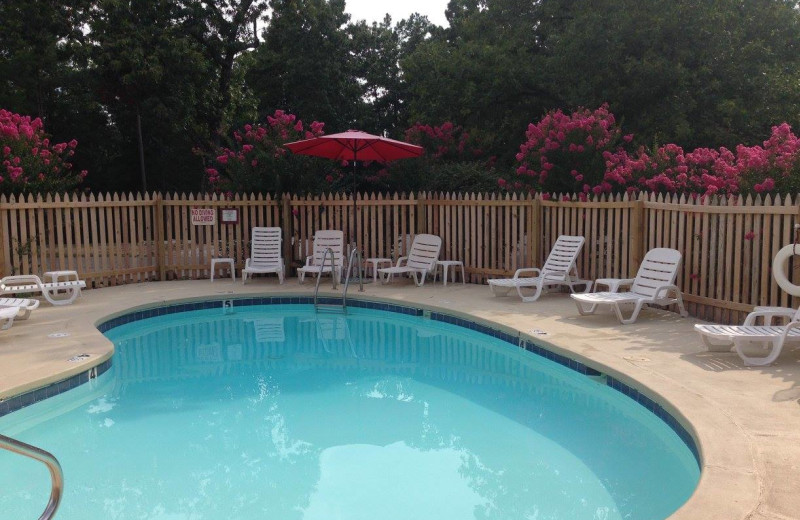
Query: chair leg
point(714, 346)
point(536, 294)
point(681, 308)
point(583, 311)
point(775, 350)
point(8, 323)
point(777, 345)
point(499, 291)
point(635, 314)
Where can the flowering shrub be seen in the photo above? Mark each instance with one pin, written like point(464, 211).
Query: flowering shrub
point(775, 166)
point(31, 163)
point(566, 153)
point(671, 170)
point(257, 159)
point(585, 152)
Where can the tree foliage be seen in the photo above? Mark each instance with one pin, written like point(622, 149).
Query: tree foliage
point(695, 75)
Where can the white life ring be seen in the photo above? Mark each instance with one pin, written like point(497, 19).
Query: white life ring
point(780, 268)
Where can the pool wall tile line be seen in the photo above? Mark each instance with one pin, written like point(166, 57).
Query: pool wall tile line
point(59, 387)
point(248, 302)
point(658, 411)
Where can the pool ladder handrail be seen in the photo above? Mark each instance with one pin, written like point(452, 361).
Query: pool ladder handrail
point(321, 270)
point(357, 253)
point(49, 460)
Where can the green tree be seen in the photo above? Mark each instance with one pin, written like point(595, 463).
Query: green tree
point(304, 65)
point(483, 72)
point(152, 79)
point(696, 73)
point(225, 29)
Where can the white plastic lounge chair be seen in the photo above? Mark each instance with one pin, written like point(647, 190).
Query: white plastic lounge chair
point(265, 253)
point(719, 337)
point(57, 293)
point(316, 264)
point(420, 262)
point(7, 315)
point(24, 306)
point(654, 285)
point(559, 269)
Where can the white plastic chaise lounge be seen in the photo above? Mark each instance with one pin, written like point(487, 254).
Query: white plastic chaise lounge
point(57, 293)
point(420, 262)
point(559, 269)
point(654, 285)
point(265, 253)
point(317, 264)
point(720, 337)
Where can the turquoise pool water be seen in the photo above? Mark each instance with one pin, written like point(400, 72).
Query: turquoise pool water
point(273, 412)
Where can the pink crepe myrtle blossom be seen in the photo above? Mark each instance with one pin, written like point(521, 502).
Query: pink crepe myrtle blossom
point(31, 162)
point(256, 151)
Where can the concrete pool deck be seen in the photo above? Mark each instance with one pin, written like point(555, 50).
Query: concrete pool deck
point(746, 420)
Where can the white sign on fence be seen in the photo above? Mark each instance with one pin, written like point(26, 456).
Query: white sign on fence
point(204, 216)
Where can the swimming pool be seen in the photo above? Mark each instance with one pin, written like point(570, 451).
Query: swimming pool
point(276, 412)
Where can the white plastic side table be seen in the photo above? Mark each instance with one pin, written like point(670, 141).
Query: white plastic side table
point(445, 265)
point(375, 264)
point(62, 276)
point(229, 261)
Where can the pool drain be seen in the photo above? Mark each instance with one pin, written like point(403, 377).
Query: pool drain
point(58, 335)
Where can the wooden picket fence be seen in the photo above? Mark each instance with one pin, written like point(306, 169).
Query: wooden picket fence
point(727, 243)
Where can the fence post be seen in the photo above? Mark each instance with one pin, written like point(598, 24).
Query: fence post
point(636, 236)
point(4, 247)
point(287, 225)
point(159, 218)
point(422, 212)
point(535, 231)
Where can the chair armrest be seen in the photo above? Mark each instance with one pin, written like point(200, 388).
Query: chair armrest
point(527, 270)
point(769, 314)
point(613, 284)
point(401, 260)
point(247, 263)
point(663, 291)
point(308, 260)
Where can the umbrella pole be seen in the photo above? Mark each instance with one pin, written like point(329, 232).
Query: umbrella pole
point(354, 238)
point(355, 207)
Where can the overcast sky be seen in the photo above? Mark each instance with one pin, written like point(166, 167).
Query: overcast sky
point(374, 10)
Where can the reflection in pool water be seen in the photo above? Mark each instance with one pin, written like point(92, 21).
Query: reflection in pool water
point(275, 412)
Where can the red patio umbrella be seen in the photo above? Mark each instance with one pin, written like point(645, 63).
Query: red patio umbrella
point(355, 145)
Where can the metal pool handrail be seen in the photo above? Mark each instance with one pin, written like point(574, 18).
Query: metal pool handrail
point(354, 253)
point(319, 275)
point(46, 458)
